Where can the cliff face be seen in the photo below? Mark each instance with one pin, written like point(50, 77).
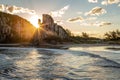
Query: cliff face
point(49, 30)
point(15, 29)
point(49, 25)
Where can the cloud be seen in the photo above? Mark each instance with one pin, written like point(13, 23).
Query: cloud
point(96, 11)
point(113, 1)
point(93, 1)
point(2, 7)
point(81, 19)
point(104, 24)
point(106, 2)
point(76, 19)
point(15, 9)
point(97, 23)
point(60, 12)
point(119, 5)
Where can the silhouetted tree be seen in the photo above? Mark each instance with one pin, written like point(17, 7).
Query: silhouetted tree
point(112, 35)
point(69, 32)
point(85, 35)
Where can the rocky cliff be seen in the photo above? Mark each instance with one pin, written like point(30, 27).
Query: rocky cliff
point(16, 29)
point(49, 31)
point(49, 25)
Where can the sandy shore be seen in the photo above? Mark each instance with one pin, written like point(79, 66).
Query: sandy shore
point(62, 46)
point(40, 46)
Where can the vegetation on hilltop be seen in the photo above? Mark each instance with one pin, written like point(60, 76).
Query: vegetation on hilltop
point(111, 37)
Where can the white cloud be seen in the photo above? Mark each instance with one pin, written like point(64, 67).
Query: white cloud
point(2, 7)
point(60, 12)
point(97, 23)
point(15, 9)
point(81, 19)
point(93, 1)
point(96, 11)
point(104, 24)
point(119, 5)
point(113, 1)
point(76, 19)
point(106, 2)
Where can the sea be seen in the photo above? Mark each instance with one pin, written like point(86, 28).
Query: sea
point(75, 63)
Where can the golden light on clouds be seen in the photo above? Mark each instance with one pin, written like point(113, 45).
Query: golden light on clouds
point(60, 12)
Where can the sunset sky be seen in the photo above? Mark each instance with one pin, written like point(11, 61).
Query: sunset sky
point(92, 16)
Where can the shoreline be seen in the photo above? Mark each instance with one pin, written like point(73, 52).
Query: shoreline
point(57, 46)
point(51, 46)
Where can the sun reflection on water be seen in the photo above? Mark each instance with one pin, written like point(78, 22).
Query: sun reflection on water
point(28, 65)
point(42, 64)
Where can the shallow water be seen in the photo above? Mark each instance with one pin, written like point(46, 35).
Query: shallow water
point(77, 63)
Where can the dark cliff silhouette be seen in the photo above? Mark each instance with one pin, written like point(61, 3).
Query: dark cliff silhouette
point(14, 29)
point(49, 31)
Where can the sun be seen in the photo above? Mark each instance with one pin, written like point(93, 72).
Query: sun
point(34, 20)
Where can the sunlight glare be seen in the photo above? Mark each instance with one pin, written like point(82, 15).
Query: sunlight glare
point(34, 20)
